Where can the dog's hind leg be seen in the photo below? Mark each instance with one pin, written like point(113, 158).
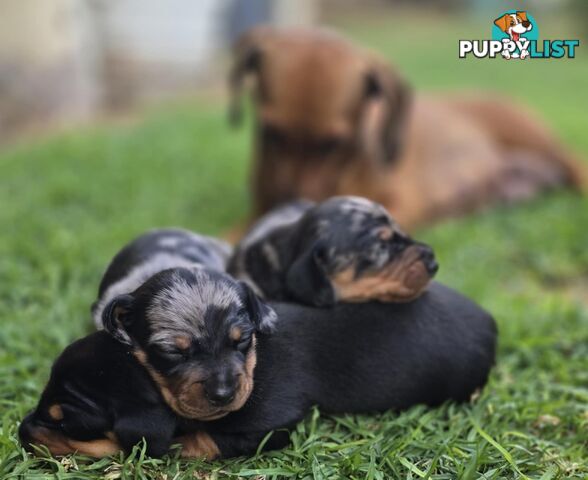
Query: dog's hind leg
point(517, 130)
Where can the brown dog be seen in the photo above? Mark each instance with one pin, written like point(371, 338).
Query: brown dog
point(335, 120)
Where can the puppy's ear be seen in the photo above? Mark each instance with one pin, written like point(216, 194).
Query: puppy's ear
point(116, 317)
point(502, 22)
point(262, 315)
point(522, 16)
point(384, 112)
point(307, 280)
point(247, 61)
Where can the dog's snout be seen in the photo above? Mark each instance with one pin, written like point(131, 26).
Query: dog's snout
point(220, 396)
point(526, 23)
point(220, 391)
point(428, 258)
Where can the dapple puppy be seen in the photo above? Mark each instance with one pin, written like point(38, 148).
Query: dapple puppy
point(344, 249)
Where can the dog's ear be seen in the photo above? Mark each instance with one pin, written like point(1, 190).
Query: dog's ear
point(262, 315)
point(522, 16)
point(247, 62)
point(117, 317)
point(307, 280)
point(384, 113)
point(502, 22)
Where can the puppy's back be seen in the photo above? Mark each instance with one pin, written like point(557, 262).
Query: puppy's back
point(377, 356)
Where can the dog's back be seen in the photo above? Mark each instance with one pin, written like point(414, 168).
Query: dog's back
point(361, 358)
point(380, 356)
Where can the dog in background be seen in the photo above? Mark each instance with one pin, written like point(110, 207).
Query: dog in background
point(344, 249)
point(332, 119)
point(514, 25)
point(100, 399)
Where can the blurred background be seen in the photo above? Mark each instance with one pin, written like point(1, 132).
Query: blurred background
point(67, 60)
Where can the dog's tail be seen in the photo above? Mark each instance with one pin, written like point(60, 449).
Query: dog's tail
point(519, 131)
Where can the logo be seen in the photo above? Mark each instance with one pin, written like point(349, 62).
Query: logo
point(515, 35)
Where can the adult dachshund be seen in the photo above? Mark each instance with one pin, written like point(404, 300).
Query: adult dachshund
point(333, 119)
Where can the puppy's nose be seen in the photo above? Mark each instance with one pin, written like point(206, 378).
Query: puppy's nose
point(220, 396)
point(428, 259)
point(526, 23)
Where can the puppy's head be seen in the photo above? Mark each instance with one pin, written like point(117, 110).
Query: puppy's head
point(321, 109)
point(76, 414)
point(194, 330)
point(350, 249)
point(514, 24)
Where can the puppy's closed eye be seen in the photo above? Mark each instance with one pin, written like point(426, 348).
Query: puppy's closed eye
point(172, 354)
point(240, 338)
point(243, 344)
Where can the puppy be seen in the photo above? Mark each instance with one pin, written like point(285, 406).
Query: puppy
point(153, 252)
point(333, 119)
point(182, 344)
point(164, 294)
point(343, 249)
point(514, 25)
point(354, 358)
point(182, 310)
point(99, 400)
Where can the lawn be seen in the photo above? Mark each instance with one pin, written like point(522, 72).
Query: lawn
point(68, 202)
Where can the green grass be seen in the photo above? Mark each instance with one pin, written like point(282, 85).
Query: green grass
point(67, 204)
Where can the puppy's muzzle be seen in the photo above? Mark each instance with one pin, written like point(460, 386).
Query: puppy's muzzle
point(220, 391)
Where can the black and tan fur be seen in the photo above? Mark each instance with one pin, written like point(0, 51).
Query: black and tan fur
point(353, 358)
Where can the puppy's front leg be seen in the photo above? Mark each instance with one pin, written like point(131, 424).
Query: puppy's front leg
point(211, 446)
point(198, 445)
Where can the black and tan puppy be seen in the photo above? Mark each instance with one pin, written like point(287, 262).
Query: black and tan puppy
point(183, 343)
point(153, 252)
point(343, 249)
point(165, 293)
point(354, 358)
point(99, 400)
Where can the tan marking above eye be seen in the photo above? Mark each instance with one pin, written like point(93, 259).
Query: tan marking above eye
point(182, 342)
point(55, 412)
point(235, 334)
point(385, 233)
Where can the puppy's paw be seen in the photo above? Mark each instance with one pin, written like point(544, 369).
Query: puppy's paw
point(198, 445)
